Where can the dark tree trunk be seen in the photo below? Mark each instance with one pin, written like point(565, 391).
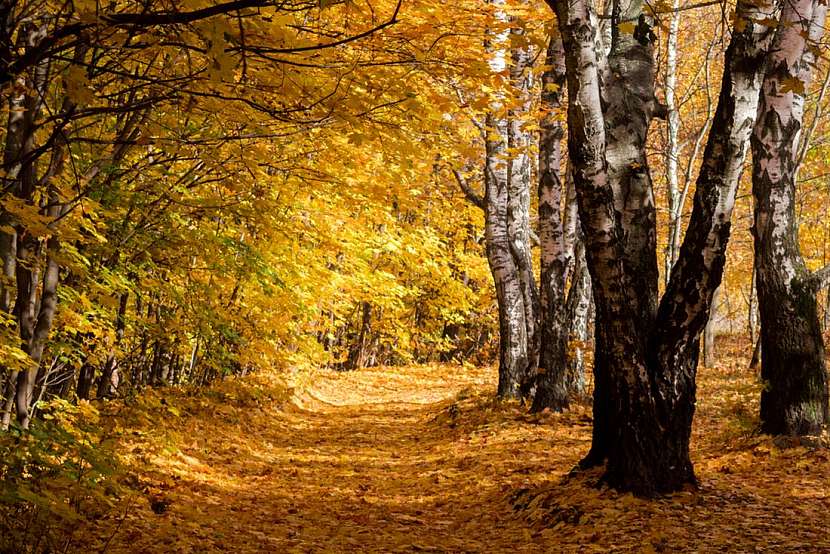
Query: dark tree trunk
point(109, 376)
point(602, 429)
point(86, 377)
point(358, 350)
point(157, 364)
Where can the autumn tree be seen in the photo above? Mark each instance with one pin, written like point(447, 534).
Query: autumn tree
point(647, 352)
point(564, 308)
point(156, 202)
point(794, 399)
point(506, 201)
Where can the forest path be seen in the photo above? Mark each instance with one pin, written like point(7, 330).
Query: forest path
point(421, 459)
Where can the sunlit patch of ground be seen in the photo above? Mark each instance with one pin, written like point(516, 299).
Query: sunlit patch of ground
point(421, 459)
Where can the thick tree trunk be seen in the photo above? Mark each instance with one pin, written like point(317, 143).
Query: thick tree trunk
point(684, 308)
point(794, 397)
point(645, 388)
point(618, 343)
point(629, 105)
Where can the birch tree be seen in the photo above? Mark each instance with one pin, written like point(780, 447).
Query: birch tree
point(563, 314)
point(794, 397)
point(647, 353)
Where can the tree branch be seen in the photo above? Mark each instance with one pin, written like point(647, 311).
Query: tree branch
point(821, 277)
point(174, 18)
point(468, 191)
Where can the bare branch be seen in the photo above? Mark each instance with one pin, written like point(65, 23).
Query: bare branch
point(468, 191)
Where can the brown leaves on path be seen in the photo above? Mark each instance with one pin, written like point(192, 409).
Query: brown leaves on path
point(422, 459)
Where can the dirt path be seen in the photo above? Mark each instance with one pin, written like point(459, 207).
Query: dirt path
point(422, 460)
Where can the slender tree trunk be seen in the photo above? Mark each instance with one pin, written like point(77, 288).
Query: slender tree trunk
point(8, 401)
point(755, 359)
point(552, 378)
point(752, 312)
point(42, 324)
point(794, 398)
point(518, 200)
point(514, 360)
point(358, 350)
point(672, 153)
point(513, 349)
point(578, 306)
point(709, 333)
point(108, 383)
point(86, 377)
point(155, 368)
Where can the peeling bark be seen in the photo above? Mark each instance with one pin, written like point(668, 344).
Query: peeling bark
point(513, 349)
point(507, 221)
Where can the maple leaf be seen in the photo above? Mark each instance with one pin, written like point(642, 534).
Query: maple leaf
point(792, 84)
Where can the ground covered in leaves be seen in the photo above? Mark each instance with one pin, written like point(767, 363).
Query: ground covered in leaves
point(421, 459)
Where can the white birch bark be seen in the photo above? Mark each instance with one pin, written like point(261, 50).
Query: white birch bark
point(518, 178)
point(672, 153)
point(794, 399)
point(513, 330)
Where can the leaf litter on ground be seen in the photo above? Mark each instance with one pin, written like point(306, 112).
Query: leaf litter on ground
point(423, 459)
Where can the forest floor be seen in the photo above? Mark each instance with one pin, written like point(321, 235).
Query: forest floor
point(422, 459)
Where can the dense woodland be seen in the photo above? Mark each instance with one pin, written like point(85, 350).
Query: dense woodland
point(545, 214)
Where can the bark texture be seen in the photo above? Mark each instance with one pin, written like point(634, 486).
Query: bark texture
point(552, 389)
point(794, 398)
point(513, 339)
point(645, 367)
point(507, 217)
point(519, 140)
